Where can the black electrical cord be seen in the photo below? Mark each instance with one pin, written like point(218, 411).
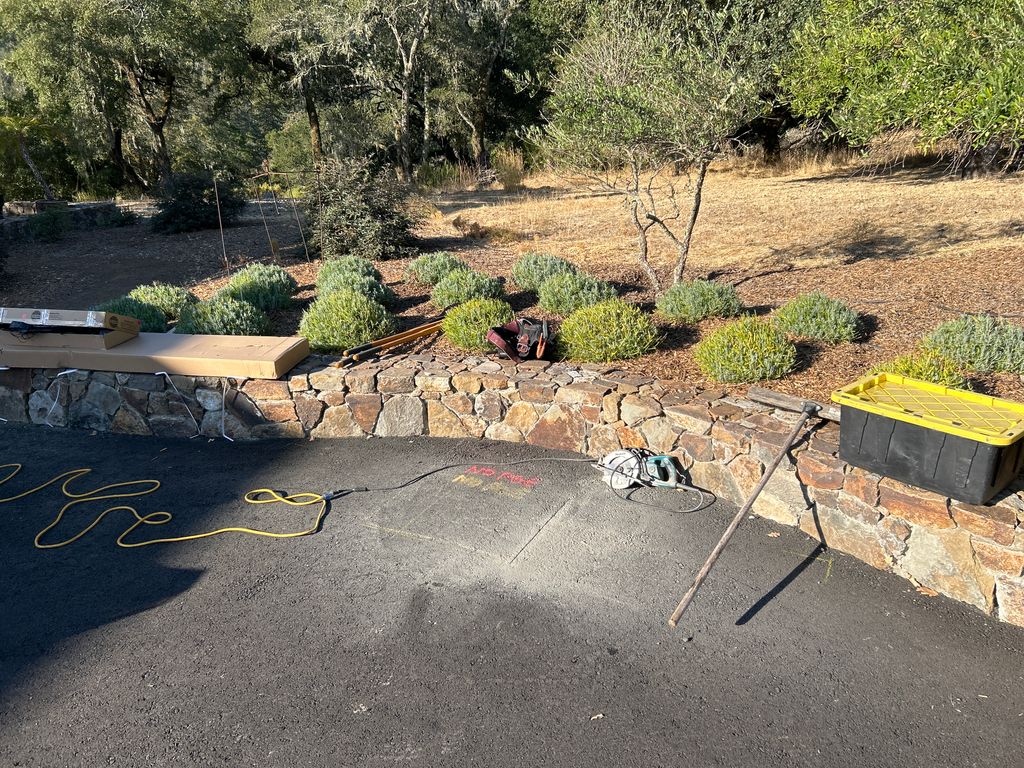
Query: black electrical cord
point(707, 498)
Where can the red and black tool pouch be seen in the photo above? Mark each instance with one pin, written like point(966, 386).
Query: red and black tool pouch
point(522, 339)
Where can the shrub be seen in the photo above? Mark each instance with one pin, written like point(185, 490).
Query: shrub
point(533, 269)
point(979, 343)
point(696, 300)
point(431, 268)
point(509, 168)
point(265, 286)
point(564, 293)
point(816, 316)
point(746, 350)
point(118, 217)
point(49, 226)
point(344, 319)
point(224, 316)
point(350, 281)
point(927, 366)
point(188, 202)
point(358, 209)
point(464, 284)
point(171, 299)
point(356, 264)
point(151, 317)
point(466, 326)
point(611, 330)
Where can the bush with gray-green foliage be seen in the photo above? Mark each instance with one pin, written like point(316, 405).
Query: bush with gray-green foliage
point(980, 343)
point(611, 330)
point(151, 317)
point(350, 281)
point(223, 316)
point(431, 268)
point(265, 286)
point(563, 294)
point(171, 299)
point(531, 270)
point(344, 319)
point(466, 326)
point(927, 366)
point(694, 300)
point(359, 208)
point(746, 350)
point(356, 264)
point(816, 316)
point(462, 285)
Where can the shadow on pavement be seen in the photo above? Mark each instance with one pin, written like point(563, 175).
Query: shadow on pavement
point(50, 596)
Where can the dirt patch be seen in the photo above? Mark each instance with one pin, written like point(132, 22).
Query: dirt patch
point(92, 266)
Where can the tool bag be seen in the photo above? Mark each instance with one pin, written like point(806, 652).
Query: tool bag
point(522, 339)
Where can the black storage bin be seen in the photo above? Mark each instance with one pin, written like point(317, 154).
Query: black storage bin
point(959, 444)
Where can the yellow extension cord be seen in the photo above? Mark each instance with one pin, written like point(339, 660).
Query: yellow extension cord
point(146, 487)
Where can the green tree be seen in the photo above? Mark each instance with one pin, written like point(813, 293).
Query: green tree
point(645, 93)
point(131, 62)
point(953, 71)
point(15, 135)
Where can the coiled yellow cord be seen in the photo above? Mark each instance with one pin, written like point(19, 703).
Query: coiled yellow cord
point(144, 488)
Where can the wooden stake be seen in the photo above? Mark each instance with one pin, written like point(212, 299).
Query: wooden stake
point(809, 410)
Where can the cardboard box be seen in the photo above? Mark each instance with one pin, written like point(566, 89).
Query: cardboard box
point(253, 357)
point(83, 339)
point(68, 318)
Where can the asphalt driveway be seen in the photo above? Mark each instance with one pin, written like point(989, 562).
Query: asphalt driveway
point(468, 619)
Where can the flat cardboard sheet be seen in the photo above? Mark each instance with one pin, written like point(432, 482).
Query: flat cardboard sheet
point(86, 338)
point(254, 357)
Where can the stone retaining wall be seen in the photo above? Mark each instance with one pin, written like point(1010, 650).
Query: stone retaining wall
point(14, 225)
point(972, 554)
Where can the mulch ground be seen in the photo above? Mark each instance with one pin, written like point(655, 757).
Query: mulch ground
point(900, 299)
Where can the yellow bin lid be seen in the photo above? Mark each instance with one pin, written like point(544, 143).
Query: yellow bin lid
point(953, 411)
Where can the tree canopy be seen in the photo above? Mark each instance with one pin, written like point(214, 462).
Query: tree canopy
point(131, 92)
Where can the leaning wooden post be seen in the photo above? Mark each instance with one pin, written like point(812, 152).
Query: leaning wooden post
point(809, 410)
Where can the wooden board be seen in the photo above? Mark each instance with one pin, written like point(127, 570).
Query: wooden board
point(255, 357)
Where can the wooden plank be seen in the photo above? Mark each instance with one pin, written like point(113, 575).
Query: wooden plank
point(790, 403)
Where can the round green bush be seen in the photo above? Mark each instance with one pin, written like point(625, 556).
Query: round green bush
point(564, 293)
point(466, 326)
point(816, 316)
point(224, 316)
point(611, 330)
point(746, 350)
point(151, 317)
point(265, 286)
point(356, 264)
point(927, 366)
point(431, 268)
point(533, 269)
point(350, 281)
point(980, 343)
point(460, 286)
point(696, 300)
point(171, 299)
point(344, 319)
